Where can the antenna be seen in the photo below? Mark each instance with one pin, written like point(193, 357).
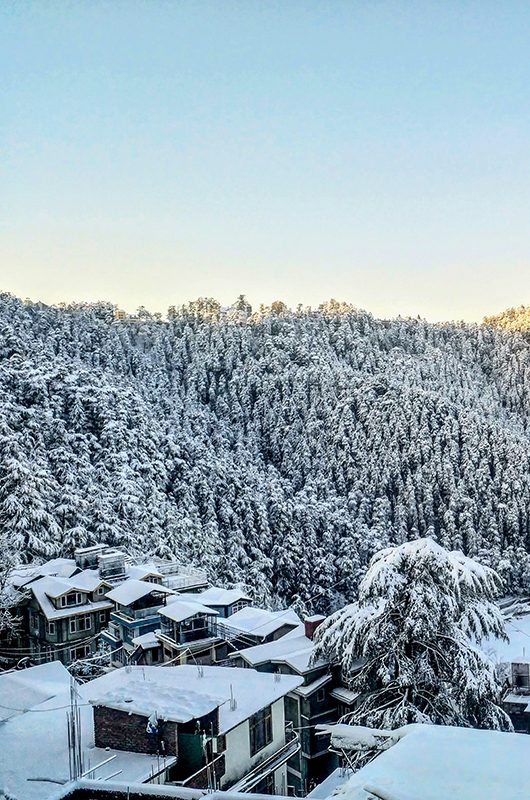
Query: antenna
point(233, 701)
point(73, 718)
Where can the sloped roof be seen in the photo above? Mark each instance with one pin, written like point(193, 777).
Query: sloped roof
point(132, 589)
point(179, 610)
point(276, 650)
point(260, 622)
point(218, 596)
point(44, 588)
point(22, 689)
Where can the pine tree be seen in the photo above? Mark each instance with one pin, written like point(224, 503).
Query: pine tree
point(415, 628)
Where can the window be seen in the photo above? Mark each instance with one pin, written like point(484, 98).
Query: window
point(260, 725)
point(321, 695)
point(72, 599)
point(34, 620)
point(81, 623)
point(51, 628)
point(79, 652)
point(102, 616)
point(102, 589)
point(239, 605)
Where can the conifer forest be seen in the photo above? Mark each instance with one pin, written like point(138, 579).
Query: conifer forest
point(277, 448)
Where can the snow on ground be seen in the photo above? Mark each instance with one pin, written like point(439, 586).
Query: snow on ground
point(330, 784)
point(22, 689)
point(434, 762)
point(34, 750)
point(518, 631)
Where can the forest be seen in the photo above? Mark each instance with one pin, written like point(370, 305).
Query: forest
point(277, 448)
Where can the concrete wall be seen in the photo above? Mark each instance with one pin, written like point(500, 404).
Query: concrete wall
point(237, 754)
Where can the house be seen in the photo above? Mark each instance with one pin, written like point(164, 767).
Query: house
point(188, 631)
point(34, 752)
point(252, 626)
point(101, 568)
point(430, 762)
point(135, 612)
point(224, 602)
point(226, 724)
point(308, 705)
point(516, 700)
point(65, 615)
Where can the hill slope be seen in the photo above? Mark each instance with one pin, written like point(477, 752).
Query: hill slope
point(281, 451)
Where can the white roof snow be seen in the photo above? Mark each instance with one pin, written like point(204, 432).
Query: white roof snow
point(259, 622)
point(35, 745)
point(133, 589)
point(286, 645)
point(328, 786)
point(430, 762)
point(293, 651)
point(179, 610)
point(88, 580)
point(517, 649)
point(44, 588)
point(22, 689)
point(344, 695)
point(306, 691)
point(184, 693)
point(147, 640)
point(142, 571)
point(218, 596)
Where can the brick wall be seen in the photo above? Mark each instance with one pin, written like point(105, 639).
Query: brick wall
point(120, 730)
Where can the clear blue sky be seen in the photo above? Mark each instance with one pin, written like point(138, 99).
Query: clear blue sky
point(376, 152)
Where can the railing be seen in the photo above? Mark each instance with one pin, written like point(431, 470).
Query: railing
point(208, 776)
point(270, 764)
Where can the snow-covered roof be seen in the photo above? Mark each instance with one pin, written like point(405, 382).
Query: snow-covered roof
point(184, 693)
point(44, 588)
point(519, 699)
point(218, 596)
point(328, 786)
point(147, 640)
point(518, 631)
point(88, 580)
point(35, 745)
point(293, 651)
point(22, 689)
point(141, 571)
point(269, 651)
point(133, 589)
point(306, 691)
point(344, 695)
point(259, 622)
point(179, 610)
point(56, 587)
point(431, 762)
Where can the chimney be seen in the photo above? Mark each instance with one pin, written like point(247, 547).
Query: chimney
point(311, 624)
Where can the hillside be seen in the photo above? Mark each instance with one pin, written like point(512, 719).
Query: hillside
point(512, 319)
point(281, 449)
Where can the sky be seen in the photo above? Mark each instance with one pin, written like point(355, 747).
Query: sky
point(374, 152)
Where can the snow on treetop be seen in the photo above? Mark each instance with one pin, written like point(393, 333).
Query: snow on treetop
point(389, 567)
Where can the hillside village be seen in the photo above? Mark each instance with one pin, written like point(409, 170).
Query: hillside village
point(148, 675)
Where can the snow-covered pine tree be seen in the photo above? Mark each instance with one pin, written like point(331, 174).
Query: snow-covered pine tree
point(420, 614)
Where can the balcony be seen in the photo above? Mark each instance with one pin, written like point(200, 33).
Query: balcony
point(270, 764)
